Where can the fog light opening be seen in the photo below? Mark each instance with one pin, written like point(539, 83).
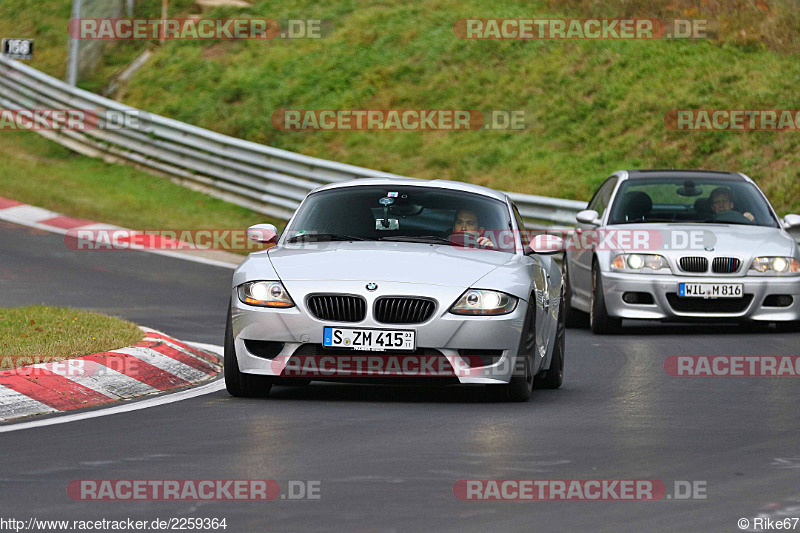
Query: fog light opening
point(638, 298)
point(778, 300)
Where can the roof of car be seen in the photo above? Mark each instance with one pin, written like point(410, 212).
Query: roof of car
point(684, 173)
point(415, 182)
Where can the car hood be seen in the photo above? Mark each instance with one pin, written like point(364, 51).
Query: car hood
point(383, 261)
point(730, 239)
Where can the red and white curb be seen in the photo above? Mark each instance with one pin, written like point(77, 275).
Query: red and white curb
point(36, 217)
point(157, 363)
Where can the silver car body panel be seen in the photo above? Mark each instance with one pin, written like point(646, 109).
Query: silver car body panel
point(732, 240)
point(440, 272)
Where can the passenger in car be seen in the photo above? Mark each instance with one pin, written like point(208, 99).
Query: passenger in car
point(721, 200)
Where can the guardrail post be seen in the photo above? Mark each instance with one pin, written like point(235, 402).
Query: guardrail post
point(74, 43)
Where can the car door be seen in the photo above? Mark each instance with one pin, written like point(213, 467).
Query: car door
point(580, 259)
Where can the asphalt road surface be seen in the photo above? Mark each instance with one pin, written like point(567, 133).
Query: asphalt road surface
point(387, 458)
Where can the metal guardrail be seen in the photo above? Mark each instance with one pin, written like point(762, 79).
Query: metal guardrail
point(265, 179)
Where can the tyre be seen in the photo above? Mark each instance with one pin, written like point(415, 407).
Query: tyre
point(237, 383)
point(573, 318)
point(599, 320)
point(520, 387)
point(553, 377)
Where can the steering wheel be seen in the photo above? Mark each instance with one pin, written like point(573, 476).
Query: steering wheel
point(731, 216)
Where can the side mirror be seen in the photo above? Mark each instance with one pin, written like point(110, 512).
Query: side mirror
point(263, 233)
point(588, 216)
point(791, 221)
point(546, 244)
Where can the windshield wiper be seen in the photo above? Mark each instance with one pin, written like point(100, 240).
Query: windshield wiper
point(427, 239)
point(649, 221)
point(323, 237)
point(712, 221)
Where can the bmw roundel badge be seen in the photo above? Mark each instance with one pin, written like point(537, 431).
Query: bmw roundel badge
point(372, 286)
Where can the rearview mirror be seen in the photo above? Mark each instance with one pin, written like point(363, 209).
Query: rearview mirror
point(381, 225)
point(263, 233)
point(546, 244)
point(588, 216)
point(791, 221)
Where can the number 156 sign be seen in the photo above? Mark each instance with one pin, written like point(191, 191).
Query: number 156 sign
point(17, 48)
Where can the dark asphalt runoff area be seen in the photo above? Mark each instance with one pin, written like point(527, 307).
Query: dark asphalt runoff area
point(387, 458)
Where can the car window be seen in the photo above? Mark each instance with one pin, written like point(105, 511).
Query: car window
point(396, 212)
point(521, 226)
point(599, 201)
point(690, 200)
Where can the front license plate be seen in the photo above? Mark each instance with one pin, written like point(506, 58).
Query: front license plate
point(710, 290)
point(373, 340)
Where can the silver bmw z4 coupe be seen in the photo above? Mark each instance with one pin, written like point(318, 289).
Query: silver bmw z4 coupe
point(403, 281)
point(682, 245)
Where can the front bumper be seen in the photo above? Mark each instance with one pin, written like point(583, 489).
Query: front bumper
point(667, 305)
point(300, 332)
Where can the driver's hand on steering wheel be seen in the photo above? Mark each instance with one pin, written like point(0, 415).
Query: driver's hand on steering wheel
point(485, 241)
point(749, 216)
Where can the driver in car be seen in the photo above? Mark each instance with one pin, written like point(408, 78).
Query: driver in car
point(467, 222)
point(721, 200)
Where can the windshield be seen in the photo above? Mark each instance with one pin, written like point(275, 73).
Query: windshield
point(711, 200)
point(401, 213)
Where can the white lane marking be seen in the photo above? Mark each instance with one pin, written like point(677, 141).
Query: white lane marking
point(213, 348)
point(165, 363)
point(100, 226)
point(151, 402)
point(180, 349)
point(168, 398)
point(14, 405)
point(99, 377)
point(186, 256)
point(30, 213)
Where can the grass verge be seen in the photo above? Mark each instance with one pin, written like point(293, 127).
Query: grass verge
point(39, 333)
point(40, 172)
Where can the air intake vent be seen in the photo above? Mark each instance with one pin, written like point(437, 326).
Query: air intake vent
point(398, 310)
point(725, 265)
point(711, 305)
point(694, 264)
point(338, 308)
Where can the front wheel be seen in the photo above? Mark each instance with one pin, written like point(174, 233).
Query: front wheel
point(238, 383)
point(599, 320)
point(520, 387)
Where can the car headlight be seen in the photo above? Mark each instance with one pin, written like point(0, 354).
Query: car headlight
point(265, 294)
point(483, 302)
point(785, 266)
point(644, 263)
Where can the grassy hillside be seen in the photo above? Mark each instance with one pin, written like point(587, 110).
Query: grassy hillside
point(595, 106)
